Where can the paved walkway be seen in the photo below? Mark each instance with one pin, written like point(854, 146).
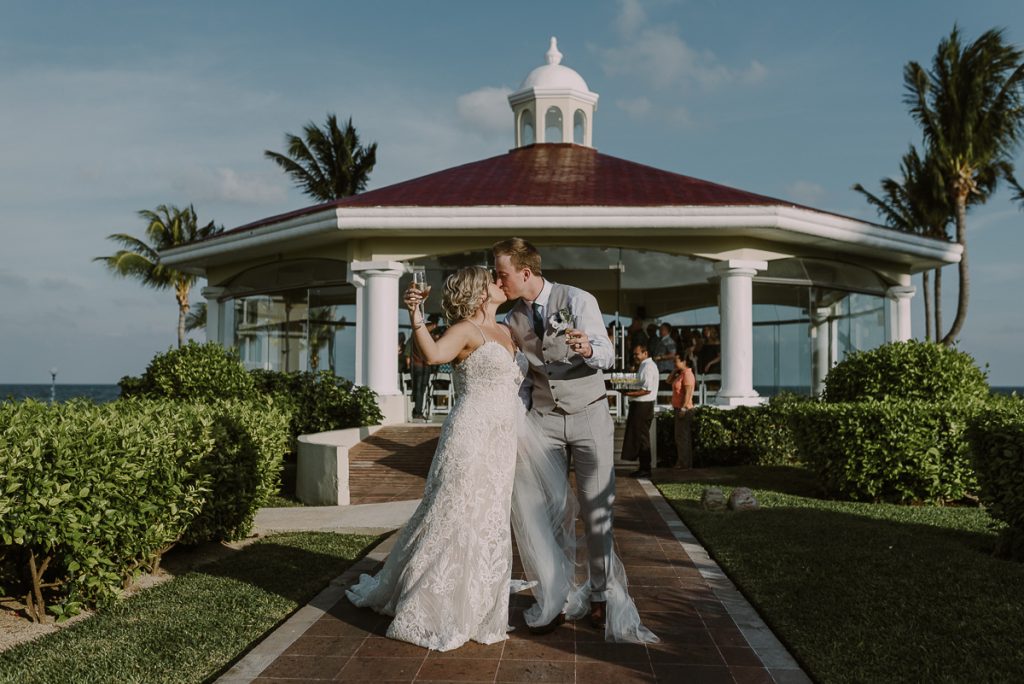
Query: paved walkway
point(709, 632)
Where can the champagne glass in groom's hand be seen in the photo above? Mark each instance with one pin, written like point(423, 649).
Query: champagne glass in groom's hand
point(564, 321)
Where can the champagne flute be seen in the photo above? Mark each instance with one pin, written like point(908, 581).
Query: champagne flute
point(420, 284)
point(566, 321)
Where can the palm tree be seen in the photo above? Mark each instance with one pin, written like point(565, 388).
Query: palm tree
point(917, 204)
point(196, 318)
point(330, 163)
point(167, 226)
point(970, 106)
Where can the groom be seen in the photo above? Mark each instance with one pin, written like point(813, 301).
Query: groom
point(568, 395)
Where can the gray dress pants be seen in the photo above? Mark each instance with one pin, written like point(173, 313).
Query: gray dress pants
point(588, 436)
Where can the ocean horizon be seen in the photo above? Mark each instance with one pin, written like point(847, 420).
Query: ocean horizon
point(102, 394)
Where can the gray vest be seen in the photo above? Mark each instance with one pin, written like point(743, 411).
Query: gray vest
point(571, 386)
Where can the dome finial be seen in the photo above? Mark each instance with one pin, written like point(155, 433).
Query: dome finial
point(553, 55)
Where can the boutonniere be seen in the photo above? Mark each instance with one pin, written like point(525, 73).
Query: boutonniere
point(561, 319)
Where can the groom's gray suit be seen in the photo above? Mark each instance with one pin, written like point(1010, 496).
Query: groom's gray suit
point(570, 400)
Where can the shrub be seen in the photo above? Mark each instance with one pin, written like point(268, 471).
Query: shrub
point(996, 438)
point(130, 386)
point(243, 469)
point(93, 493)
point(906, 370)
point(320, 401)
point(315, 401)
point(745, 435)
point(897, 451)
point(197, 372)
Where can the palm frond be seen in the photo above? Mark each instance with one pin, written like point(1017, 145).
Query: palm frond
point(327, 163)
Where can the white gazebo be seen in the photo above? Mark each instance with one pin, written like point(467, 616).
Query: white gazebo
point(294, 291)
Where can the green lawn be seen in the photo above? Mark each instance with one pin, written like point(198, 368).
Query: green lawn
point(866, 592)
point(192, 627)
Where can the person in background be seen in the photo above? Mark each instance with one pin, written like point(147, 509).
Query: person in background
point(690, 346)
point(636, 443)
point(403, 356)
point(664, 349)
point(635, 335)
point(710, 359)
point(652, 334)
point(683, 384)
point(420, 370)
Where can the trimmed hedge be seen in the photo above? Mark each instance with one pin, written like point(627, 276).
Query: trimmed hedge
point(196, 372)
point(317, 401)
point(320, 401)
point(93, 493)
point(895, 451)
point(996, 437)
point(243, 470)
point(745, 435)
point(906, 370)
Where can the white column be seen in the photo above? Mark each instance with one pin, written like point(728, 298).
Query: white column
point(214, 315)
point(358, 282)
point(900, 297)
point(377, 305)
point(736, 307)
point(821, 341)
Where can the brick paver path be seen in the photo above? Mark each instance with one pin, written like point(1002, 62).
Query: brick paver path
point(700, 641)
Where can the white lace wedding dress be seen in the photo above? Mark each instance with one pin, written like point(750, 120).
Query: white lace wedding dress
point(446, 580)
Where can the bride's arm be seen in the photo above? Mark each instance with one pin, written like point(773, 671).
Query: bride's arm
point(455, 340)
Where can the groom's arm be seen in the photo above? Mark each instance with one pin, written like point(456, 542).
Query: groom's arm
point(588, 315)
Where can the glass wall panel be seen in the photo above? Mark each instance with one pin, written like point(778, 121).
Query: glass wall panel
point(270, 331)
point(332, 330)
point(860, 323)
point(782, 350)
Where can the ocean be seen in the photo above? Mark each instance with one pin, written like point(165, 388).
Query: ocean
point(98, 393)
point(104, 393)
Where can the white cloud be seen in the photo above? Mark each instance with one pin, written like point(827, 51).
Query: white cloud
point(641, 108)
point(631, 16)
point(678, 116)
point(636, 108)
point(227, 185)
point(486, 109)
point(658, 55)
point(805, 192)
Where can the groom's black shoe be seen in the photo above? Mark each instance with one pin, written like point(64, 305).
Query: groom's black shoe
point(550, 627)
point(640, 473)
point(598, 614)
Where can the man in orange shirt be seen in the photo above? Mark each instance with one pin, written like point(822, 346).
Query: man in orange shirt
point(683, 383)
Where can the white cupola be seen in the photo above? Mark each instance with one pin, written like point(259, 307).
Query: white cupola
point(553, 105)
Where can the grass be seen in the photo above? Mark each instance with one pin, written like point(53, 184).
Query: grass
point(192, 627)
point(866, 592)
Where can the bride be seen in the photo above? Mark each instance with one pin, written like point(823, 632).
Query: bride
point(447, 579)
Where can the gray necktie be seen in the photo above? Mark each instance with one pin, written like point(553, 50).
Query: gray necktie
point(538, 319)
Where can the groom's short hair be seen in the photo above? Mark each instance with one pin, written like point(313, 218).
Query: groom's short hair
point(522, 253)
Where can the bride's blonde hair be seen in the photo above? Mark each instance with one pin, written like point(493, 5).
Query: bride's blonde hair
point(464, 292)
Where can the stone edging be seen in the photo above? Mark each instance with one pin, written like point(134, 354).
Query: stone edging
point(772, 653)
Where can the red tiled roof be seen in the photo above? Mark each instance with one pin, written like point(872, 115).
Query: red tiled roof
point(558, 175)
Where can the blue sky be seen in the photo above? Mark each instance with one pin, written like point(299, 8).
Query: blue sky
point(107, 108)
